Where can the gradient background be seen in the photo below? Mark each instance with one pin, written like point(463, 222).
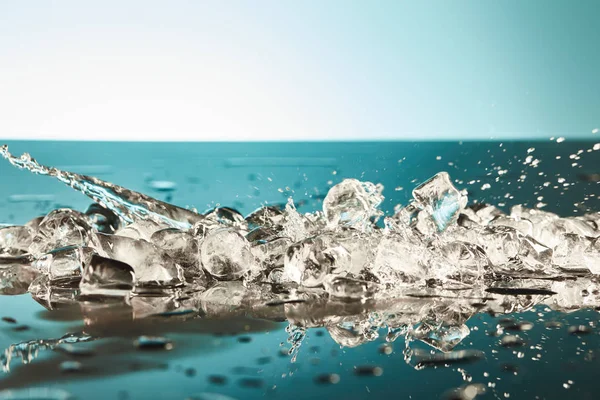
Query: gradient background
point(310, 70)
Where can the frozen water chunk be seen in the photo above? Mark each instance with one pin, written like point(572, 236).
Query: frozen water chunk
point(522, 225)
point(470, 260)
point(397, 261)
point(268, 216)
point(271, 253)
point(352, 203)
point(508, 249)
point(16, 275)
point(569, 252)
point(152, 267)
point(183, 248)
point(61, 228)
point(226, 254)
point(141, 229)
point(591, 256)
point(63, 266)
point(106, 277)
point(309, 261)
point(441, 201)
point(225, 216)
point(15, 240)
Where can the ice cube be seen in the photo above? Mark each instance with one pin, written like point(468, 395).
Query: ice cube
point(152, 267)
point(226, 254)
point(470, 260)
point(271, 253)
point(15, 240)
point(569, 251)
point(309, 261)
point(141, 229)
point(225, 216)
point(61, 228)
point(352, 203)
point(105, 277)
point(183, 248)
point(440, 200)
point(267, 216)
point(399, 262)
point(16, 274)
point(63, 266)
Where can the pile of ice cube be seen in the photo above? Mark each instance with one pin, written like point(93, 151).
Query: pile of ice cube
point(344, 250)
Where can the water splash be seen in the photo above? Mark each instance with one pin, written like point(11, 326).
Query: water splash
point(130, 206)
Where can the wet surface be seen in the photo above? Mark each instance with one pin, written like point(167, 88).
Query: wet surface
point(420, 345)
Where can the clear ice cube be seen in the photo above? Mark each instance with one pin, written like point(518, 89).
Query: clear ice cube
point(352, 203)
point(309, 261)
point(152, 267)
point(63, 266)
point(16, 274)
point(142, 229)
point(105, 277)
point(183, 248)
point(61, 228)
point(15, 240)
point(440, 200)
point(226, 254)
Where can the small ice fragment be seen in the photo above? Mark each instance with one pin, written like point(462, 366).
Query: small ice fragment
point(352, 203)
point(226, 254)
point(61, 228)
point(441, 201)
point(106, 277)
point(15, 240)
